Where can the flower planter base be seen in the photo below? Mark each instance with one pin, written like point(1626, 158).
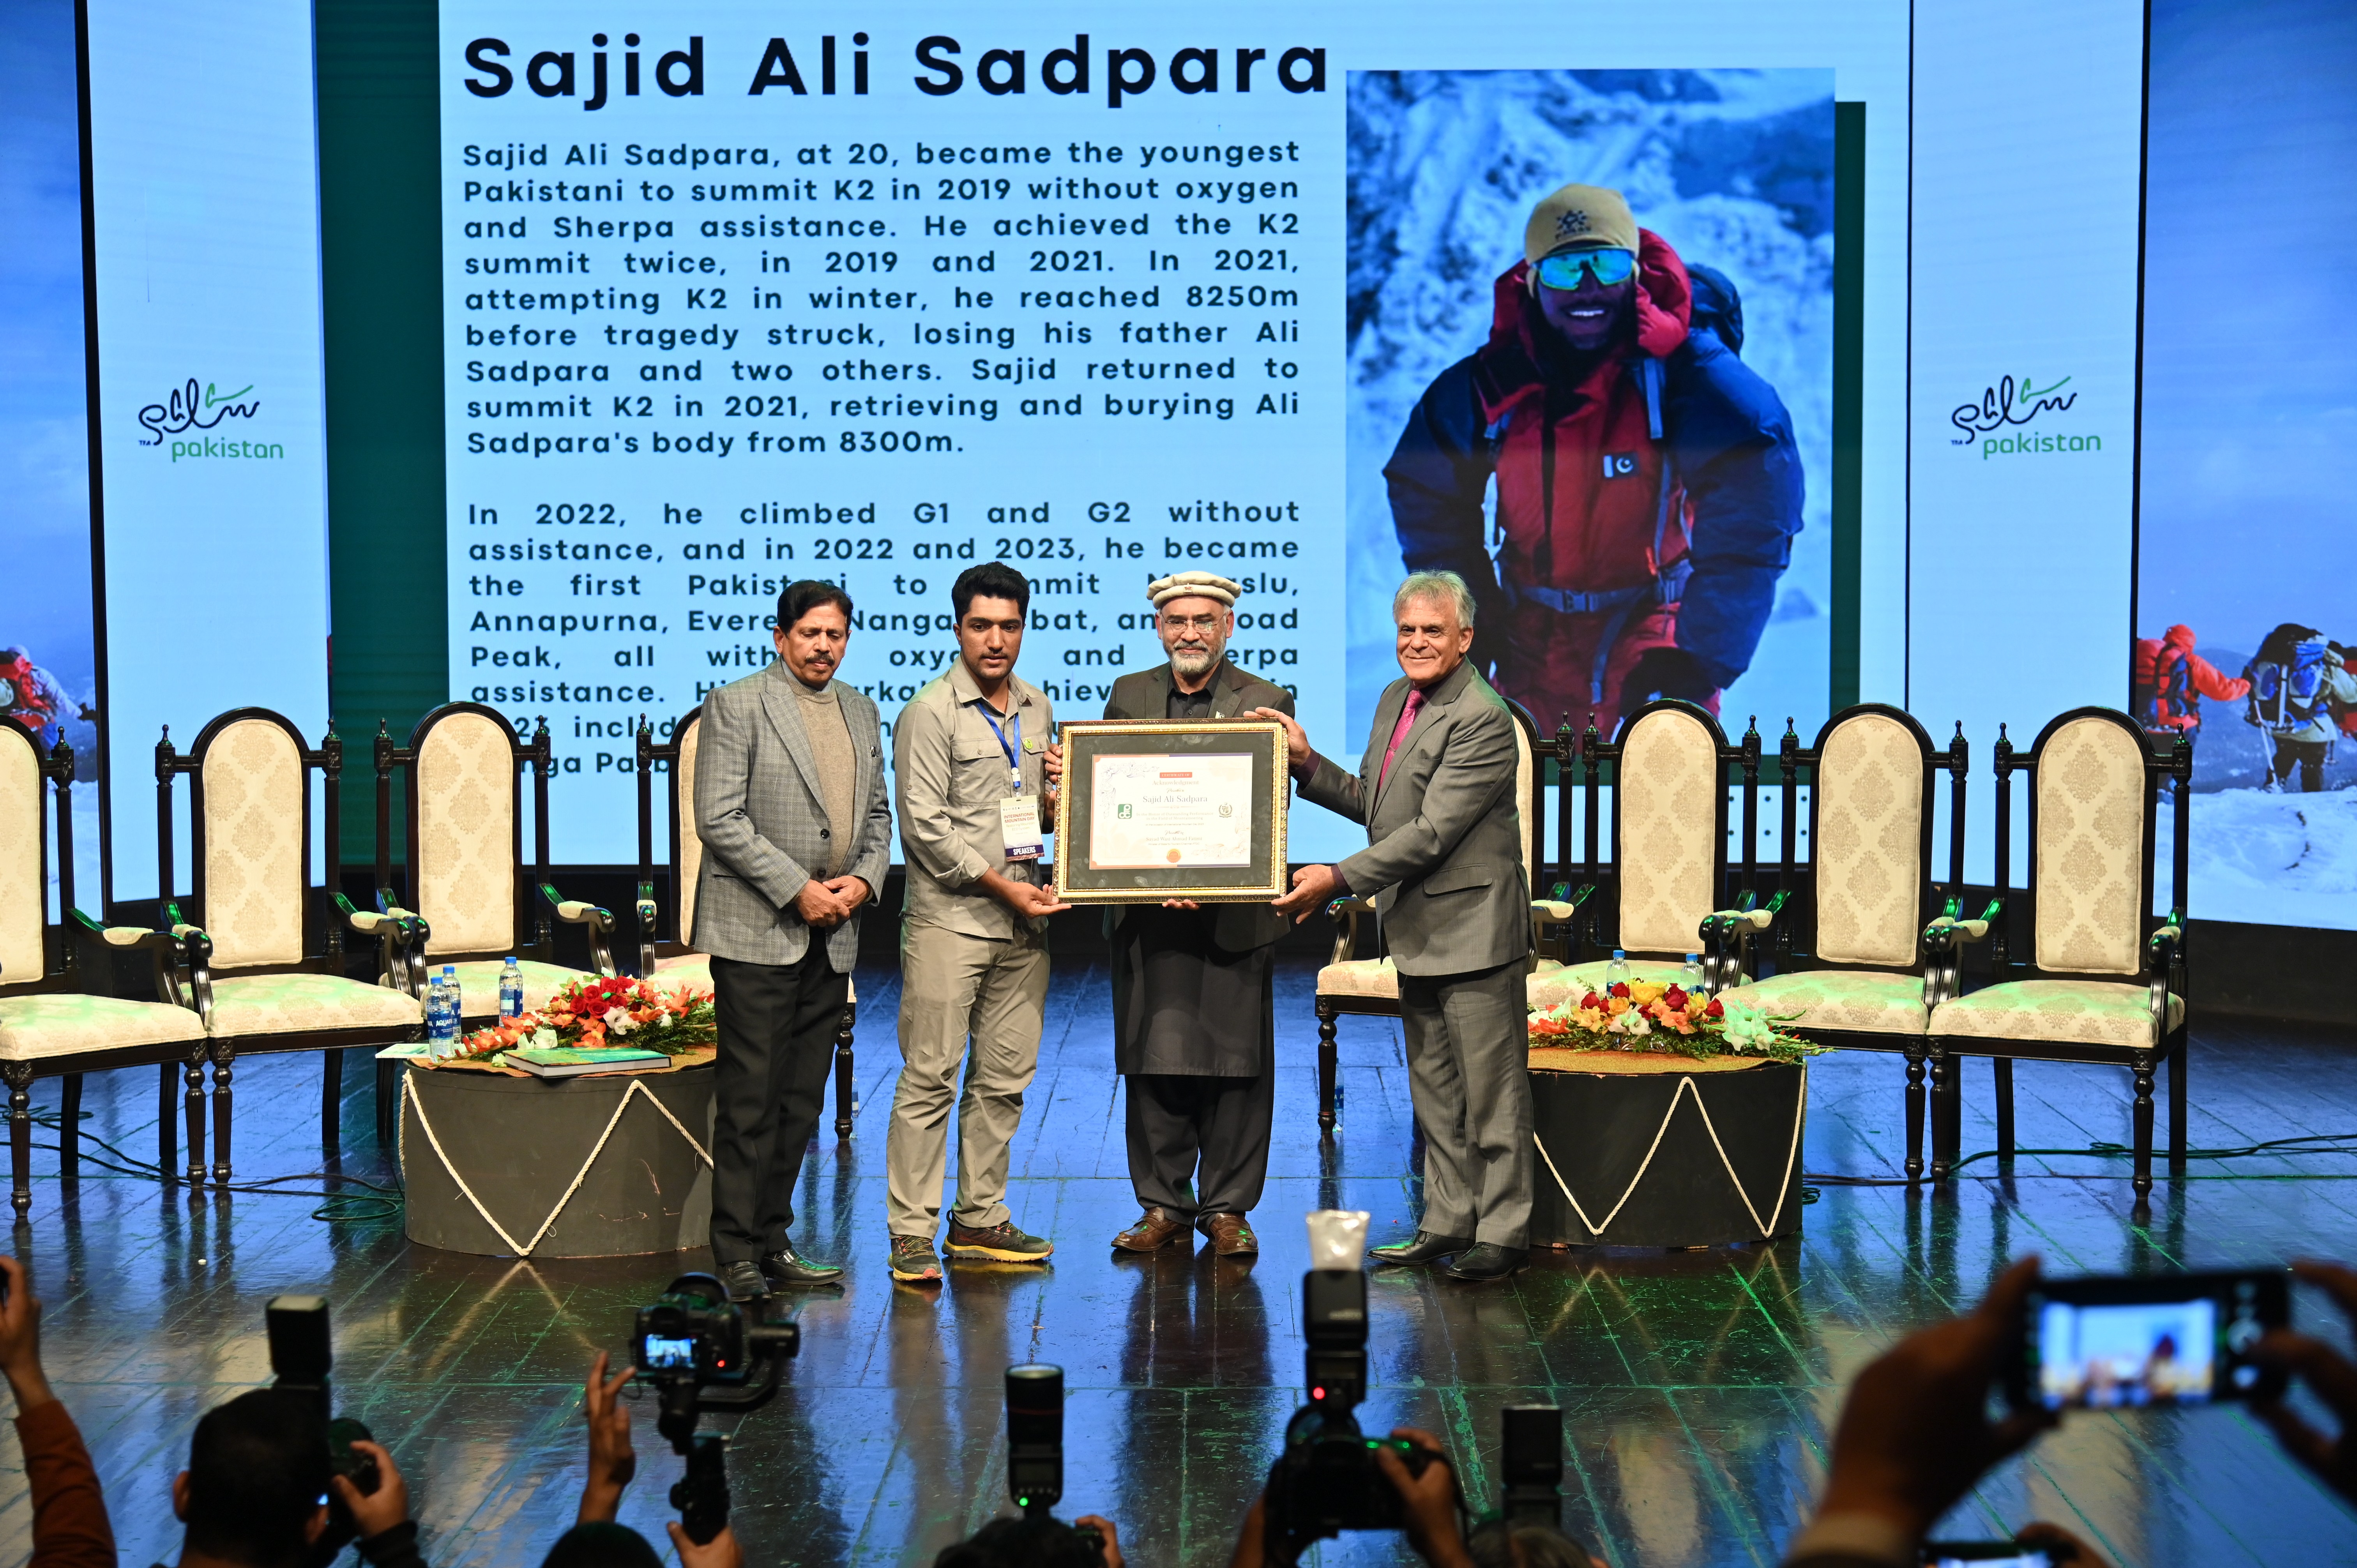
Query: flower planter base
point(575, 1167)
point(1645, 1151)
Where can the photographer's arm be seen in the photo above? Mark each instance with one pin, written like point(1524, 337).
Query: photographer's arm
point(1434, 1506)
point(612, 1461)
point(70, 1524)
point(387, 1535)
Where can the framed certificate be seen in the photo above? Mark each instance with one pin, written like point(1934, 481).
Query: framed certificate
point(1154, 811)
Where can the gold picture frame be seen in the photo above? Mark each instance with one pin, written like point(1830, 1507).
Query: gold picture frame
point(1267, 876)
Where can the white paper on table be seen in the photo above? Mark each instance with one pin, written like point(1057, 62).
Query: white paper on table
point(1153, 811)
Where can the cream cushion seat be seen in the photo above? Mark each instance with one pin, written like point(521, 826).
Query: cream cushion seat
point(1376, 979)
point(293, 1004)
point(63, 1024)
point(1864, 1000)
point(2067, 1012)
point(478, 985)
point(696, 969)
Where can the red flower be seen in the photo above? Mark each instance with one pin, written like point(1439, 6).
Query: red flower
point(1714, 1010)
point(1675, 999)
point(1621, 989)
point(1591, 1003)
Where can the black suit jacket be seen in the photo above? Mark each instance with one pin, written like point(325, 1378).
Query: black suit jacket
point(1146, 694)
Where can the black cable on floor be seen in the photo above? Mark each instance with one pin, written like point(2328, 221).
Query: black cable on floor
point(2303, 1143)
point(381, 1201)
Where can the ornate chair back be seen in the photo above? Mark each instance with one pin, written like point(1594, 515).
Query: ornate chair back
point(29, 948)
point(661, 938)
point(249, 841)
point(1668, 771)
point(2094, 781)
point(1864, 895)
point(463, 771)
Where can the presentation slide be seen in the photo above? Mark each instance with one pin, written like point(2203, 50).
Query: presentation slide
point(730, 301)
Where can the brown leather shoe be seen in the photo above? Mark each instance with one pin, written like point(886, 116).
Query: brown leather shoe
point(1156, 1229)
point(1231, 1236)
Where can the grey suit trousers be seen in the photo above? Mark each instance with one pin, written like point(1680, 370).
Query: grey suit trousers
point(1468, 1052)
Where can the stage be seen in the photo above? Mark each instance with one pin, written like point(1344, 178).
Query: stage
point(1697, 1388)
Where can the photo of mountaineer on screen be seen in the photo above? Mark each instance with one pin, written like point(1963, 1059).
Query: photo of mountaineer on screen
point(1648, 484)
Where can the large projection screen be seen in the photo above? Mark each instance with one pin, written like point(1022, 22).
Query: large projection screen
point(745, 299)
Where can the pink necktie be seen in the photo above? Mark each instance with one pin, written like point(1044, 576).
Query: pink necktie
point(1414, 706)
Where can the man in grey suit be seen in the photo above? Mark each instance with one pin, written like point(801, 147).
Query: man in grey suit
point(789, 804)
point(1193, 989)
point(1444, 866)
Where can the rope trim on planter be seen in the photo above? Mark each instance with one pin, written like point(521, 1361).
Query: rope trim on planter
point(525, 1249)
point(1685, 1087)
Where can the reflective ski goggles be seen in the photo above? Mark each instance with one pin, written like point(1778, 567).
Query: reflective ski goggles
point(1562, 270)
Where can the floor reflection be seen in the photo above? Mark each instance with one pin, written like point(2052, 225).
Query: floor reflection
point(1697, 1388)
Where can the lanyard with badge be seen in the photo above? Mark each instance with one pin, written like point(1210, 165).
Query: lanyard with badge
point(1018, 814)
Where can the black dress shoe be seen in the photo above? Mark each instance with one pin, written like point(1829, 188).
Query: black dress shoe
point(745, 1281)
point(787, 1267)
point(1425, 1249)
point(1487, 1261)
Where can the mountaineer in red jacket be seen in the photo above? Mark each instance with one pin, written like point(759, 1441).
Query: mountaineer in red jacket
point(2170, 680)
point(1648, 486)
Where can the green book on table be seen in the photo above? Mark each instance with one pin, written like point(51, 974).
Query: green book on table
point(570, 1061)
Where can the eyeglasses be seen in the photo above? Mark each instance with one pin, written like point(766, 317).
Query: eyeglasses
point(1562, 270)
point(1183, 623)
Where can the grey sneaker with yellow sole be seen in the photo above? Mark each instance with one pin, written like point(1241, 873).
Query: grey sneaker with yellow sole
point(913, 1261)
point(1000, 1243)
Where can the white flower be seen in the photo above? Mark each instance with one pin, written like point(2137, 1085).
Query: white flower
point(619, 1023)
point(1632, 1021)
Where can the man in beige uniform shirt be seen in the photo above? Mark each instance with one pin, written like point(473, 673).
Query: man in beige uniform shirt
point(971, 755)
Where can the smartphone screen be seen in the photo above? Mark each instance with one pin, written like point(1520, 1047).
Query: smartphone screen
point(2116, 1343)
point(1984, 1554)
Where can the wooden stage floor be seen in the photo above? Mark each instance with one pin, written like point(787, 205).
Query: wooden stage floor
point(1698, 1388)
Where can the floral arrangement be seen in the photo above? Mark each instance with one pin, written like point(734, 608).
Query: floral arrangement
point(1647, 1015)
point(589, 1014)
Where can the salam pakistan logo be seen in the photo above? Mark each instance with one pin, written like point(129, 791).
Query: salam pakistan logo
point(2010, 403)
point(191, 410)
point(1572, 223)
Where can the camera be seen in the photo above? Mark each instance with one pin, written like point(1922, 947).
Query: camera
point(1533, 1464)
point(1326, 1480)
point(1035, 1442)
point(703, 1352)
point(300, 1359)
point(2108, 1342)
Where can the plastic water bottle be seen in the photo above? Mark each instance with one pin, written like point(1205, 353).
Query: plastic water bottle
point(1616, 971)
point(1690, 978)
point(450, 985)
point(510, 990)
point(441, 1018)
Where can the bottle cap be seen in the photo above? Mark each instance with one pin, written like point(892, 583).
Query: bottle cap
point(1618, 952)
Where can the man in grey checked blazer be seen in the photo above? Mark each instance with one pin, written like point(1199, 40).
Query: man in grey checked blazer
point(1444, 867)
point(789, 802)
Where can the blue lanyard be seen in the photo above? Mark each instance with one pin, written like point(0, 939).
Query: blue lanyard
point(1012, 748)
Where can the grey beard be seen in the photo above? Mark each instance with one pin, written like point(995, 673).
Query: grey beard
point(1193, 661)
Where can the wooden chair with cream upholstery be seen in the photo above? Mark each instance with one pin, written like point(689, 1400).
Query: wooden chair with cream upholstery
point(1662, 891)
point(265, 943)
point(1370, 986)
point(667, 951)
point(1864, 944)
point(467, 888)
point(2084, 971)
point(52, 1024)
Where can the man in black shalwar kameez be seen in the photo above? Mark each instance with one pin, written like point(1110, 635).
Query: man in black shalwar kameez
point(1192, 987)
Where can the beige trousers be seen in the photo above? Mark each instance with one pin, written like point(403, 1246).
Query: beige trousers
point(955, 988)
